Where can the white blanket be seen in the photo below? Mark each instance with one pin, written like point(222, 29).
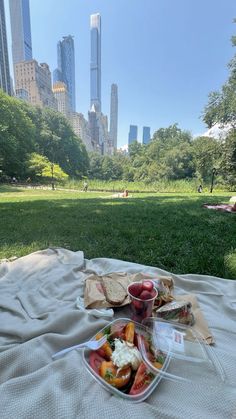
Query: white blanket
point(38, 317)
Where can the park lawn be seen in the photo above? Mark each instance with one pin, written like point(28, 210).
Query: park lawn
point(169, 231)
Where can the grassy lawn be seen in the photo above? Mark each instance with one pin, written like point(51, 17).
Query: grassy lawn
point(170, 231)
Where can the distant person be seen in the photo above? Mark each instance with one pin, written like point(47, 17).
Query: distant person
point(199, 189)
point(28, 180)
point(125, 193)
point(14, 180)
point(85, 186)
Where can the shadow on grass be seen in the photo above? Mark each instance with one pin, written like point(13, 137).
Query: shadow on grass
point(171, 232)
point(9, 188)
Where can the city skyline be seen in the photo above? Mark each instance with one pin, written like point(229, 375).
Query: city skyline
point(164, 74)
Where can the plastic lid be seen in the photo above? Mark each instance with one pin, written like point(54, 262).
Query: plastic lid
point(179, 353)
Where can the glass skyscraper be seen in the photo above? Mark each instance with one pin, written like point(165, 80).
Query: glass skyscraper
point(133, 134)
point(20, 30)
point(146, 135)
point(65, 71)
point(95, 64)
point(5, 81)
point(114, 115)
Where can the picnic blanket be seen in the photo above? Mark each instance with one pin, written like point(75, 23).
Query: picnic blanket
point(39, 316)
point(221, 207)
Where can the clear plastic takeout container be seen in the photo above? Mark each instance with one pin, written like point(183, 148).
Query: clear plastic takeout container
point(180, 354)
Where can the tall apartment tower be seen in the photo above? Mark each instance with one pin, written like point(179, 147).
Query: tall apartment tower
point(133, 134)
point(114, 116)
point(65, 71)
point(95, 64)
point(5, 81)
point(20, 31)
point(146, 135)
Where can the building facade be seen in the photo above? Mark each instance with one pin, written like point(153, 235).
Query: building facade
point(146, 135)
point(5, 80)
point(98, 127)
point(95, 63)
point(114, 116)
point(65, 71)
point(81, 129)
point(22, 94)
point(93, 120)
point(61, 95)
point(133, 134)
point(20, 31)
point(36, 80)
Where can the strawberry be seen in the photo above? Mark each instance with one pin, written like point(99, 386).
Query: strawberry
point(145, 295)
point(135, 289)
point(147, 285)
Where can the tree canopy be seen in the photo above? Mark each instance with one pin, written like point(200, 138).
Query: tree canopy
point(25, 129)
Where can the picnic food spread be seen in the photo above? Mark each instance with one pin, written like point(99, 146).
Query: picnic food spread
point(119, 361)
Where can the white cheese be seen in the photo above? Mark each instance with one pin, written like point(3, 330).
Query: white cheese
point(126, 354)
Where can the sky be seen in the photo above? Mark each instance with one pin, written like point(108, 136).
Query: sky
point(166, 56)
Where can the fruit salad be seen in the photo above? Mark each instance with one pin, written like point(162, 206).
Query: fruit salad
point(119, 362)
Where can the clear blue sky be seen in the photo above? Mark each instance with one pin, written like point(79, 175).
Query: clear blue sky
point(166, 56)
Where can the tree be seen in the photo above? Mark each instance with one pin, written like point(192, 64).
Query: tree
point(17, 136)
point(169, 154)
point(227, 165)
point(58, 142)
point(206, 153)
point(221, 107)
point(40, 166)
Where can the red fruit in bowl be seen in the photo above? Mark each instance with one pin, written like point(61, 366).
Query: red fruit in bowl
point(135, 289)
point(145, 295)
point(147, 286)
point(137, 304)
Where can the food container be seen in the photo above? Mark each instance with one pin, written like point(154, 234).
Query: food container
point(177, 311)
point(179, 355)
point(139, 308)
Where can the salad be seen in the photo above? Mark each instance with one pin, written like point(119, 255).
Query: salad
point(119, 362)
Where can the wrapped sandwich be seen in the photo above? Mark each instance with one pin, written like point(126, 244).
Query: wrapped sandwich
point(177, 311)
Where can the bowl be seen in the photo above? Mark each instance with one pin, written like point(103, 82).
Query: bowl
point(148, 378)
point(167, 350)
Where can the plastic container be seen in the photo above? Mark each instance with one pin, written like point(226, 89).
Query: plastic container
point(141, 309)
point(178, 352)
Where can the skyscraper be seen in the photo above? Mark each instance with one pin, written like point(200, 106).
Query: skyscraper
point(114, 116)
point(133, 134)
point(5, 81)
point(146, 135)
point(95, 64)
point(65, 71)
point(20, 30)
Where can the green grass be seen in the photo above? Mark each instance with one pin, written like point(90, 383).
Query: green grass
point(170, 231)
